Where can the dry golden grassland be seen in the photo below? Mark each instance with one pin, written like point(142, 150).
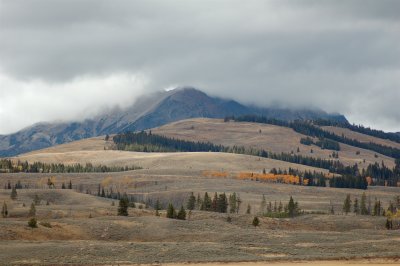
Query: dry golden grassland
point(272, 138)
point(85, 229)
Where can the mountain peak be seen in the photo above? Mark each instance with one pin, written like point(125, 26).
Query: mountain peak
point(148, 111)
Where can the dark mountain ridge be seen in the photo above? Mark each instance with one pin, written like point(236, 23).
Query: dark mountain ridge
point(149, 111)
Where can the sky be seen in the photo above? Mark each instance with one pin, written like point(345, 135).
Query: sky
point(71, 59)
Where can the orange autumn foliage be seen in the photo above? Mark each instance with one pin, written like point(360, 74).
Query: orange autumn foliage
point(215, 174)
point(287, 179)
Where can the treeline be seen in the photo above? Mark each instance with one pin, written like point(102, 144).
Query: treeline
point(322, 143)
point(7, 166)
point(360, 129)
point(382, 175)
point(309, 129)
point(148, 142)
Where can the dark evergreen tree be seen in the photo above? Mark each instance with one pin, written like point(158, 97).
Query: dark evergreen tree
point(4, 210)
point(123, 206)
point(291, 207)
point(347, 204)
point(181, 214)
point(222, 203)
point(171, 213)
point(363, 205)
point(356, 208)
point(256, 221)
point(191, 202)
point(14, 193)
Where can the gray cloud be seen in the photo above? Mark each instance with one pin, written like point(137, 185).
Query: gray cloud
point(341, 56)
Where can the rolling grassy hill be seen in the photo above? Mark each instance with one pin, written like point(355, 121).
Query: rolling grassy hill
point(264, 136)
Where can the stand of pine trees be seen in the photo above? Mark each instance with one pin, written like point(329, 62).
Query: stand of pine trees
point(289, 210)
point(7, 166)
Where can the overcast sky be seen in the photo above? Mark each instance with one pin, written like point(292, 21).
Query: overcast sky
point(70, 59)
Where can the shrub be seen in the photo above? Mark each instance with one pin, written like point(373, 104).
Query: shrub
point(32, 222)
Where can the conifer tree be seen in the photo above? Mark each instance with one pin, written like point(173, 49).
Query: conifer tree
point(191, 202)
point(363, 205)
point(222, 203)
point(181, 214)
point(207, 202)
point(256, 221)
point(70, 184)
point(171, 211)
point(356, 207)
point(63, 186)
point(347, 204)
point(4, 210)
point(123, 206)
point(214, 202)
point(32, 210)
point(232, 203)
point(198, 201)
point(14, 193)
point(291, 207)
point(238, 203)
point(280, 207)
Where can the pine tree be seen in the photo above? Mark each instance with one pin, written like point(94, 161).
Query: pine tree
point(171, 211)
point(181, 214)
point(70, 185)
point(356, 207)
point(14, 193)
point(222, 203)
point(232, 203)
point(207, 202)
point(4, 210)
point(191, 202)
point(363, 205)
point(198, 201)
point(347, 204)
point(280, 207)
point(291, 207)
point(123, 206)
point(214, 202)
point(256, 221)
point(263, 204)
point(63, 186)
point(238, 203)
point(248, 211)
